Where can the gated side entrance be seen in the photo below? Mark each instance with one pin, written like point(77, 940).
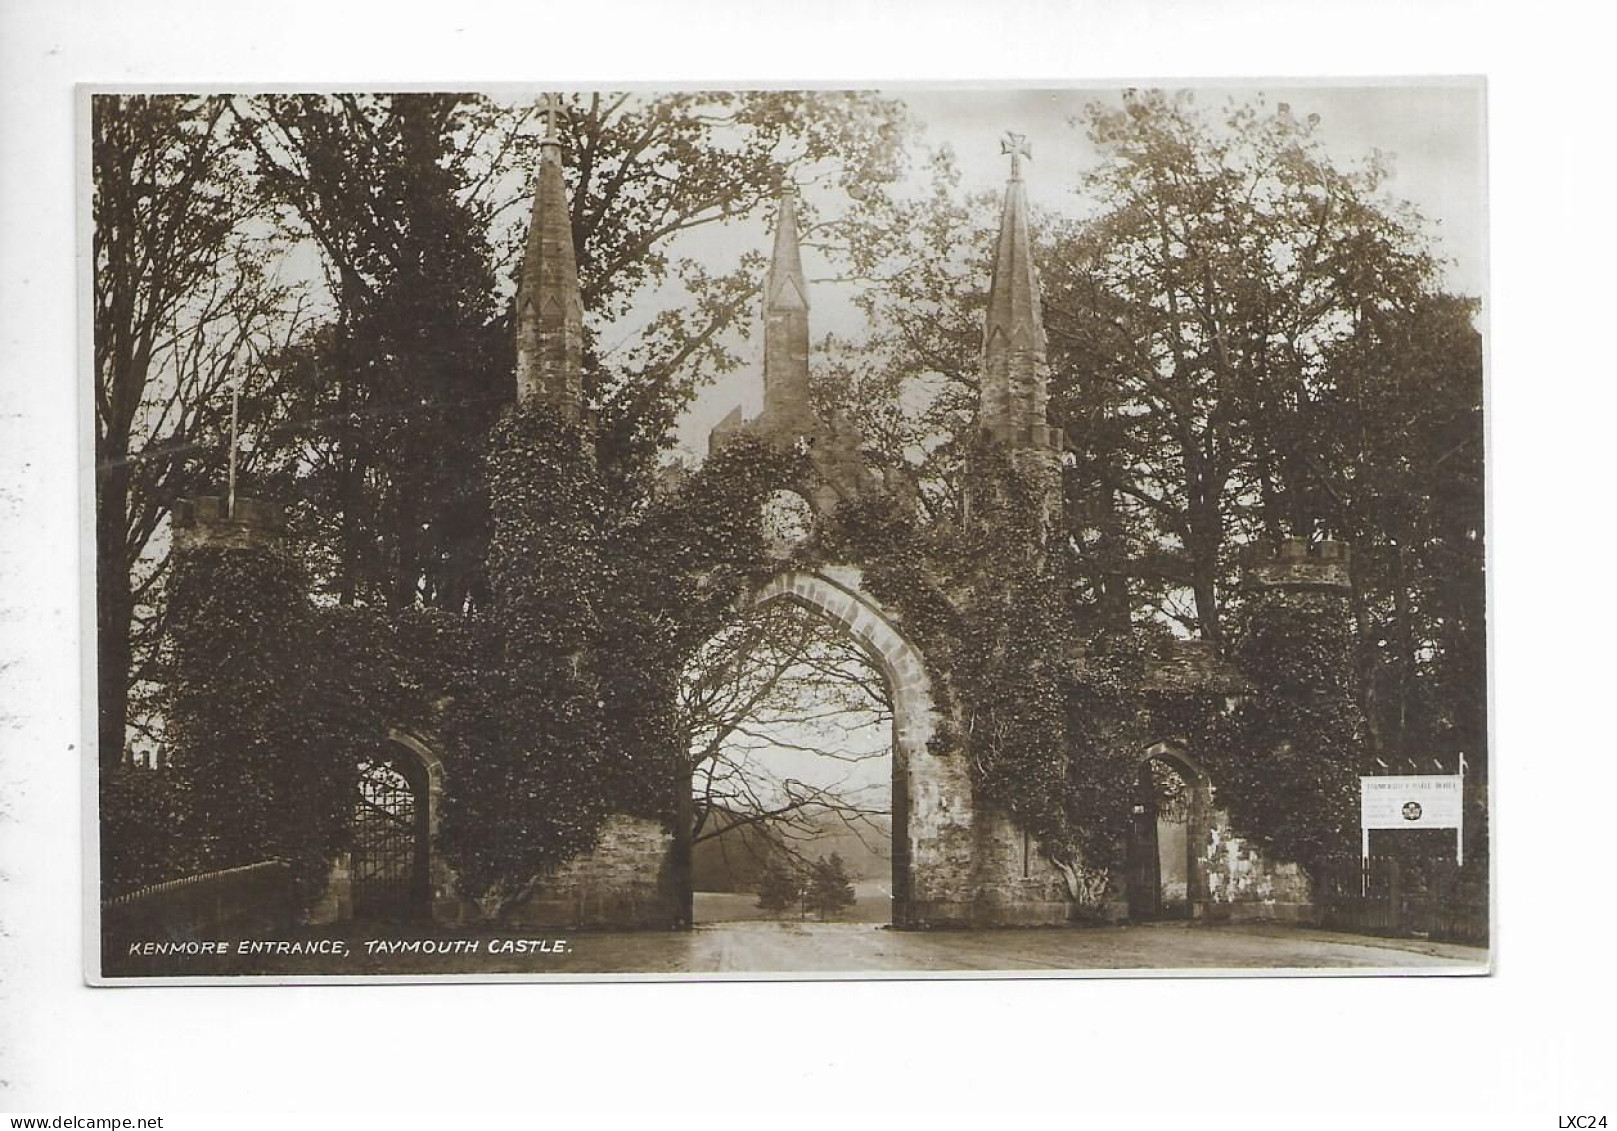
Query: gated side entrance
point(1171, 814)
point(390, 838)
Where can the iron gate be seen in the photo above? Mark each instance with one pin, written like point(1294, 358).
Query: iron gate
point(389, 841)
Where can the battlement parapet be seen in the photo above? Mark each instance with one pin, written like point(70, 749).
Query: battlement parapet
point(208, 522)
point(1194, 665)
point(1187, 666)
point(1294, 563)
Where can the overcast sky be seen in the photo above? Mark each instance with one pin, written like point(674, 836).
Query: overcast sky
point(1431, 131)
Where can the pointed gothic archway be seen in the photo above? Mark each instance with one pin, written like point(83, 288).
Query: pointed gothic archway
point(1171, 815)
point(389, 840)
point(392, 871)
point(931, 799)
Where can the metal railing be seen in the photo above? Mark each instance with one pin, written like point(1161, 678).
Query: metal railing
point(251, 898)
point(1431, 897)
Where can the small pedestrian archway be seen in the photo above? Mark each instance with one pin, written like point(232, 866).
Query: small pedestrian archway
point(1171, 816)
point(392, 825)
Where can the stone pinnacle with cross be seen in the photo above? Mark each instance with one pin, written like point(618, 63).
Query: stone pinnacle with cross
point(1014, 397)
point(549, 312)
point(552, 103)
point(1017, 146)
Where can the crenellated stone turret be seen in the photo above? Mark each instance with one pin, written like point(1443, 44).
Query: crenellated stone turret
point(1294, 564)
point(550, 312)
point(209, 522)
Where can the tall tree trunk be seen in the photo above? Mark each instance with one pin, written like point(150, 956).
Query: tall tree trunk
point(351, 485)
point(115, 612)
point(1206, 538)
point(1114, 582)
point(1404, 636)
point(1369, 695)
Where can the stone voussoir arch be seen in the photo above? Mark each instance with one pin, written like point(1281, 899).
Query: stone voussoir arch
point(431, 764)
point(835, 594)
point(932, 799)
point(445, 904)
point(1204, 824)
point(1176, 752)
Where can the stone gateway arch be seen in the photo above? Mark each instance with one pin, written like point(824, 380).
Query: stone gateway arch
point(931, 806)
point(957, 861)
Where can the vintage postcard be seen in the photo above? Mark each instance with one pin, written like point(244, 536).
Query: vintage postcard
point(753, 533)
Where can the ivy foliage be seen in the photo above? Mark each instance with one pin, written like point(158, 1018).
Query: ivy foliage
point(1014, 662)
point(271, 704)
point(1282, 757)
point(139, 827)
point(556, 706)
point(600, 598)
point(529, 735)
point(907, 567)
point(1287, 765)
point(1054, 720)
point(986, 603)
point(1110, 721)
point(253, 778)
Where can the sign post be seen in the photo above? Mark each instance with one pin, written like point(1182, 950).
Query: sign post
point(1459, 824)
point(1413, 801)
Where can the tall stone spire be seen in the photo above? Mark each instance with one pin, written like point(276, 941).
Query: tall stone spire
point(786, 334)
point(550, 313)
point(1014, 388)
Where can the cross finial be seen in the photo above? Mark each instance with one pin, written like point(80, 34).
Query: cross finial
point(552, 103)
point(1016, 145)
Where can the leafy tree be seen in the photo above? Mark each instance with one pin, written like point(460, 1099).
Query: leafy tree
point(911, 385)
point(417, 204)
point(1247, 340)
point(401, 390)
point(830, 890)
point(252, 779)
point(181, 299)
point(645, 169)
point(1197, 322)
point(376, 420)
point(1410, 500)
point(140, 828)
point(785, 682)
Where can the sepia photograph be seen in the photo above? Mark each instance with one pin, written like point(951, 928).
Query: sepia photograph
point(945, 531)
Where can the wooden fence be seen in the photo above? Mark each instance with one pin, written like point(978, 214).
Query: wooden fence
point(1427, 898)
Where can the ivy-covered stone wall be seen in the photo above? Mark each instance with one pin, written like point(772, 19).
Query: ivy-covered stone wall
point(1018, 742)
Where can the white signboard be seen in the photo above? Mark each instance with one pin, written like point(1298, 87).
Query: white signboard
point(1430, 801)
point(1412, 801)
